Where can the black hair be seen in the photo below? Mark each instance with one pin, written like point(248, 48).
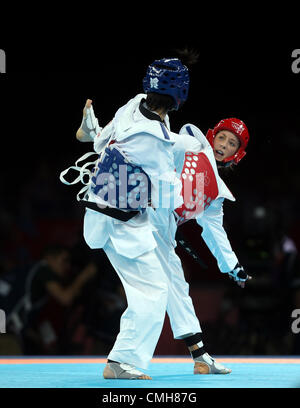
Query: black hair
point(188, 56)
point(157, 101)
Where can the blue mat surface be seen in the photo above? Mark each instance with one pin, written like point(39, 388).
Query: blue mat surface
point(165, 375)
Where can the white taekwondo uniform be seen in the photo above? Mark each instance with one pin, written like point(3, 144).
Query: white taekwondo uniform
point(209, 216)
point(130, 246)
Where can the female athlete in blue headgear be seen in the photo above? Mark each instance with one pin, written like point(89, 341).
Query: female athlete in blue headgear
point(136, 164)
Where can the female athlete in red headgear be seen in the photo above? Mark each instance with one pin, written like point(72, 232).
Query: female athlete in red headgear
point(229, 139)
point(198, 158)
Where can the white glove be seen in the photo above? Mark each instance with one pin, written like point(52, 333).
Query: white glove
point(89, 127)
point(90, 123)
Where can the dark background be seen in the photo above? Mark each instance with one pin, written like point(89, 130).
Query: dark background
point(42, 97)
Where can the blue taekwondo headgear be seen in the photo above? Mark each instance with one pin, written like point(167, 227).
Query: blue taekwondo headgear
point(168, 76)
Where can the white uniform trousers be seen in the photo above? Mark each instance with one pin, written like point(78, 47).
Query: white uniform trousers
point(146, 288)
point(154, 283)
point(180, 307)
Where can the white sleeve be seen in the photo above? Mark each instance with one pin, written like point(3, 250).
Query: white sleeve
point(215, 236)
point(187, 143)
point(103, 137)
point(157, 160)
point(195, 132)
point(184, 143)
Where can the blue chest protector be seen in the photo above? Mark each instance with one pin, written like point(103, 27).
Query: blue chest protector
point(121, 183)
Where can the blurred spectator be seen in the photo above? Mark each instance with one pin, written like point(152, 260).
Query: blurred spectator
point(39, 316)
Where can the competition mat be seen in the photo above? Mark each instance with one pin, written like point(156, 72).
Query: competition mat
point(166, 372)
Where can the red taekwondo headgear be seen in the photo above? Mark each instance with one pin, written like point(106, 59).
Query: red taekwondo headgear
point(237, 127)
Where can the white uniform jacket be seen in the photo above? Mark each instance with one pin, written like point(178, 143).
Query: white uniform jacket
point(149, 144)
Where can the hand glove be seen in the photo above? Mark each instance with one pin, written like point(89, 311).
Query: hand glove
point(90, 124)
point(89, 127)
point(239, 275)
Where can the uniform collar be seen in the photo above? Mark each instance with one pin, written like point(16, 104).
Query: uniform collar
point(148, 113)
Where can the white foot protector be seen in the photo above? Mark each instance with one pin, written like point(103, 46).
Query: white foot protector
point(123, 371)
point(205, 364)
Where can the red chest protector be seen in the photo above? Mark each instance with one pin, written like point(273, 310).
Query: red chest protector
point(199, 186)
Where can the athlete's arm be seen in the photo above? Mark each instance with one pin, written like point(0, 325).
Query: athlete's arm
point(218, 243)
